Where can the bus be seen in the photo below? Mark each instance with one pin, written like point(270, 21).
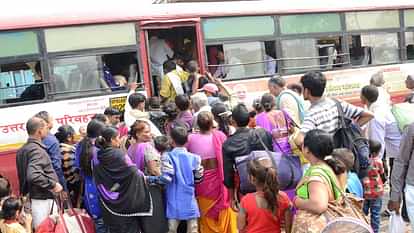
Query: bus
point(57, 56)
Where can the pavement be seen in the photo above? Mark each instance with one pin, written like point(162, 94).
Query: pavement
point(385, 220)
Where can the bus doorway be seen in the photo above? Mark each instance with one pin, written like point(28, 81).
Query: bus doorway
point(178, 42)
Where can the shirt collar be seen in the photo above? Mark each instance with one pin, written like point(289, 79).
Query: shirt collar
point(36, 141)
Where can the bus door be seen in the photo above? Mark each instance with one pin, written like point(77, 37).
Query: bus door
point(169, 39)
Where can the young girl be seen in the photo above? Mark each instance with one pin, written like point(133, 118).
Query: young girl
point(264, 210)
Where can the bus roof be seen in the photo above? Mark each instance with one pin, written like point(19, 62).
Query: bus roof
point(19, 14)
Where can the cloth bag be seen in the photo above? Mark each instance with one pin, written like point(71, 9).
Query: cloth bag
point(404, 114)
point(347, 206)
point(67, 221)
point(288, 168)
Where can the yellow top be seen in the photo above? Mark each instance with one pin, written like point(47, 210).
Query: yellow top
point(14, 227)
point(167, 89)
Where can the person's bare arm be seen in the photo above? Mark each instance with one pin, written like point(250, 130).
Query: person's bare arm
point(288, 220)
point(241, 220)
point(365, 117)
point(318, 198)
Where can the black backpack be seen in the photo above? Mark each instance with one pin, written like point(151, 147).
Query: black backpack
point(349, 135)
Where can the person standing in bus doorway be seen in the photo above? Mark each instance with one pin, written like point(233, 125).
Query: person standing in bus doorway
point(409, 83)
point(160, 52)
point(37, 178)
point(287, 99)
point(53, 148)
point(172, 83)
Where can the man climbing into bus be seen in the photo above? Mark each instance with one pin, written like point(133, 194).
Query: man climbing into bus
point(160, 52)
point(172, 82)
point(287, 99)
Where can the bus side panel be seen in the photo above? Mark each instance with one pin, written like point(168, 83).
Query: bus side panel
point(344, 84)
point(8, 168)
point(75, 112)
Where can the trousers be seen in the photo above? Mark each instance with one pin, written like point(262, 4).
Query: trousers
point(192, 225)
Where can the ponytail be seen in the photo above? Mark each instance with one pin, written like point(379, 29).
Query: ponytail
point(86, 153)
point(271, 189)
point(267, 107)
point(266, 177)
point(105, 140)
point(268, 102)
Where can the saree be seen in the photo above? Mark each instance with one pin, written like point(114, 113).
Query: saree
point(213, 198)
point(278, 124)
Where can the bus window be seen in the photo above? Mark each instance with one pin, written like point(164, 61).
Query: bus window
point(242, 60)
point(270, 61)
point(92, 74)
point(409, 41)
point(21, 82)
point(375, 48)
point(300, 55)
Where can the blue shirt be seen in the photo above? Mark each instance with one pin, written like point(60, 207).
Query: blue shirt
point(53, 149)
point(354, 185)
point(180, 192)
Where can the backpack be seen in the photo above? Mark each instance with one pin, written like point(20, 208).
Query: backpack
point(404, 114)
point(349, 135)
point(288, 167)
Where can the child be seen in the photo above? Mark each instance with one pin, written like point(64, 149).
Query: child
point(373, 186)
point(264, 210)
point(11, 213)
point(186, 170)
point(349, 180)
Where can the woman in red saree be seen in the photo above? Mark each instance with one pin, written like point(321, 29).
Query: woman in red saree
point(213, 198)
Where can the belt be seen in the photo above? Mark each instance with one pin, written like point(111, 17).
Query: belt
point(209, 164)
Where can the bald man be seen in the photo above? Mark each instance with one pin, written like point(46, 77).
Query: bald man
point(35, 171)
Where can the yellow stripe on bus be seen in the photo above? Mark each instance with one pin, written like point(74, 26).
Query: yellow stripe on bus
point(8, 147)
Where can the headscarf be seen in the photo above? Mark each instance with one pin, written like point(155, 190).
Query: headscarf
point(122, 187)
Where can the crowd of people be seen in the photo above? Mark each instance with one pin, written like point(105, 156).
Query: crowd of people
point(169, 164)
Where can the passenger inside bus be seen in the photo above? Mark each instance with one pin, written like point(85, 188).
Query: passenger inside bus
point(175, 44)
point(21, 82)
point(242, 60)
point(100, 73)
point(374, 48)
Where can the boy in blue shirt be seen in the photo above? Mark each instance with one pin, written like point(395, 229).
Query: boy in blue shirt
point(180, 179)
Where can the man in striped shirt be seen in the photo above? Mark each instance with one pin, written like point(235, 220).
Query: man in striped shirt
point(323, 113)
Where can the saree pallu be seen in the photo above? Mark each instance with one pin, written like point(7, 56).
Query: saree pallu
point(216, 214)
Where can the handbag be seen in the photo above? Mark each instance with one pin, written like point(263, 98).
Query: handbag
point(288, 168)
point(347, 206)
point(67, 221)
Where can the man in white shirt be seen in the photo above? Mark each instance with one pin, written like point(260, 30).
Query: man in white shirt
point(383, 127)
point(160, 52)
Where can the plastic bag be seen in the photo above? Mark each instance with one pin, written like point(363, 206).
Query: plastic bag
point(397, 224)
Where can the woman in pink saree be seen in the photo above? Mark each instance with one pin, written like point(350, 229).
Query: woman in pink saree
point(213, 198)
